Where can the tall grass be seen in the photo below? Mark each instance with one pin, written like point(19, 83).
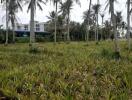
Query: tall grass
point(65, 72)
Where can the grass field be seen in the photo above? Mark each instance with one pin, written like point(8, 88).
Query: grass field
point(75, 71)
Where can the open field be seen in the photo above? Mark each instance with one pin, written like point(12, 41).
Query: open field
point(75, 71)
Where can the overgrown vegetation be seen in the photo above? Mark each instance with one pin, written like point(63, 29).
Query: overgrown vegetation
point(65, 72)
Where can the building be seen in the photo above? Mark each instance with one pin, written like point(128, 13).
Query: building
point(23, 30)
point(38, 27)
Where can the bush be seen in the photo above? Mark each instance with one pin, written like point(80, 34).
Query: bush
point(33, 49)
point(42, 39)
point(3, 36)
point(105, 53)
point(22, 39)
point(116, 55)
point(109, 54)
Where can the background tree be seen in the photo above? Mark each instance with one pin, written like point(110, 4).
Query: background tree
point(88, 22)
point(118, 19)
point(51, 21)
point(102, 16)
point(32, 7)
point(89, 10)
point(13, 9)
point(55, 3)
point(6, 3)
point(98, 19)
point(96, 9)
point(128, 24)
point(108, 32)
point(123, 26)
point(110, 3)
point(66, 8)
point(60, 24)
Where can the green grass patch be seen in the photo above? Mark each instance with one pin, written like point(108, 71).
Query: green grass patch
point(74, 71)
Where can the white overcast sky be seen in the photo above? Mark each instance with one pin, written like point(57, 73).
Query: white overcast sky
point(76, 13)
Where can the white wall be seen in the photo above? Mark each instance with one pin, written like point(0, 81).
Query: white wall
point(22, 26)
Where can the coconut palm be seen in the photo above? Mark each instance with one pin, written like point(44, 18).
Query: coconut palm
point(102, 16)
point(51, 16)
point(96, 9)
point(98, 19)
point(118, 19)
point(128, 24)
point(60, 23)
point(13, 9)
point(6, 3)
point(123, 27)
point(66, 8)
point(32, 7)
point(55, 3)
point(88, 21)
point(87, 37)
point(110, 3)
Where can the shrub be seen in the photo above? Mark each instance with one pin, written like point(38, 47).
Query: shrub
point(116, 55)
point(22, 39)
point(105, 52)
point(33, 49)
point(3, 36)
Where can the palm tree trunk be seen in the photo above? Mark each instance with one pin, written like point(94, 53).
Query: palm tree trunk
point(97, 35)
point(114, 28)
point(97, 23)
point(13, 28)
point(68, 27)
point(88, 20)
point(102, 28)
point(87, 32)
point(6, 43)
point(128, 24)
point(96, 27)
point(32, 34)
point(55, 23)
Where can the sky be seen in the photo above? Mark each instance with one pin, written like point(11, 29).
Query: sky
point(76, 13)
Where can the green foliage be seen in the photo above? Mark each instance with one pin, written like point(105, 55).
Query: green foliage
point(61, 71)
point(33, 49)
point(3, 36)
point(43, 39)
point(116, 55)
point(22, 39)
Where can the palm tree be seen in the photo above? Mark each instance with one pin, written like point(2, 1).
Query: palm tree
point(87, 37)
point(6, 5)
point(96, 9)
point(110, 3)
point(51, 22)
point(55, 3)
point(32, 7)
point(102, 16)
point(118, 19)
point(108, 28)
point(98, 19)
point(51, 16)
point(66, 8)
point(13, 9)
point(60, 23)
point(88, 21)
point(128, 24)
point(123, 26)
